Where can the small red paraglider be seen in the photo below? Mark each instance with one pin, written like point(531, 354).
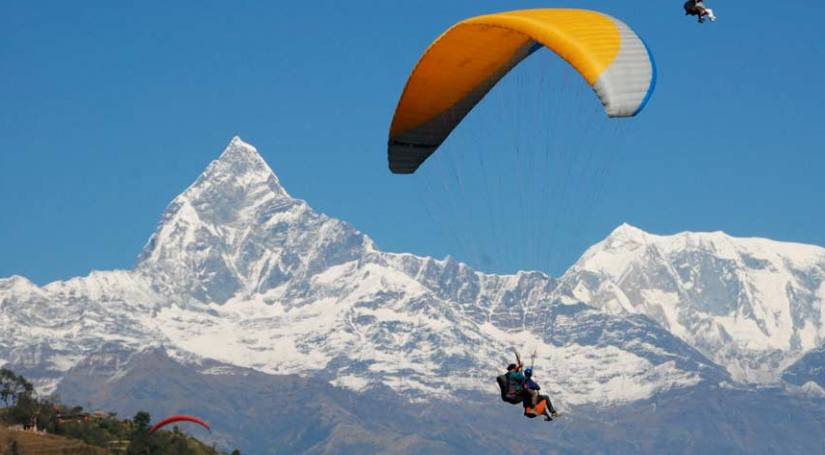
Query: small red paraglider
point(179, 418)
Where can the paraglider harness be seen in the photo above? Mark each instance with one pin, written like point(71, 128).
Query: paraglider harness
point(511, 390)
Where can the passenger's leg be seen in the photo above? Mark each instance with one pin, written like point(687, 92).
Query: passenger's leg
point(710, 14)
point(550, 407)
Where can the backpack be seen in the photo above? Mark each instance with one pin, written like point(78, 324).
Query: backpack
point(509, 392)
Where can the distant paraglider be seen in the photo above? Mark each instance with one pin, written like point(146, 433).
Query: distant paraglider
point(464, 63)
point(179, 418)
point(698, 8)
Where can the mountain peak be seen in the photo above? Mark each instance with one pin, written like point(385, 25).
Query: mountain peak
point(239, 173)
point(627, 236)
point(239, 164)
point(238, 149)
point(237, 231)
point(234, 193)
point(750, 304)
point(627, 231)
point(17, 285)
point(236, 140)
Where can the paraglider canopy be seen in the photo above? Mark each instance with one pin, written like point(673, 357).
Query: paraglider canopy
point(464, 63)
point(179, 418)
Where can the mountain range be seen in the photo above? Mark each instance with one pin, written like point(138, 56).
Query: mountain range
point(245, 286)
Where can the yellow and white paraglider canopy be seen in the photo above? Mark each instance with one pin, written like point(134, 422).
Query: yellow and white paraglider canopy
point(465, 62)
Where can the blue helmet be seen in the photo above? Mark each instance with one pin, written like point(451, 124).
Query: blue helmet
point(528, 372)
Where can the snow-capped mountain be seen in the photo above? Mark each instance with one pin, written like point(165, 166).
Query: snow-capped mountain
point(752, 305)
point(240, 272)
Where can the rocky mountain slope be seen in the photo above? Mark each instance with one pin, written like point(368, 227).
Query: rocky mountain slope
point(266, 414)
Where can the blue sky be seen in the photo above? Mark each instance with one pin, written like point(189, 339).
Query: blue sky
point(109, 110)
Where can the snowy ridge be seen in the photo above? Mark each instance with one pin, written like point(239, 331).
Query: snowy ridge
point(47, 330)
point(240, 272)
point(752, 305)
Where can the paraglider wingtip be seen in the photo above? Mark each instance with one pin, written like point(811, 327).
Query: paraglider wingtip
point(400, 170)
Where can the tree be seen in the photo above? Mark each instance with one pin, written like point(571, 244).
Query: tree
point(13, 386)
point(7, 381)
point(142, 419)
point(18, 396)
point(139, 444)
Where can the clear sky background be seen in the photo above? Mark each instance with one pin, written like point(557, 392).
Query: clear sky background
point(110, 109)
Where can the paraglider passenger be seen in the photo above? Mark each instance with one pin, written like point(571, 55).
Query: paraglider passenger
point(534, 402)
point(698, 8)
